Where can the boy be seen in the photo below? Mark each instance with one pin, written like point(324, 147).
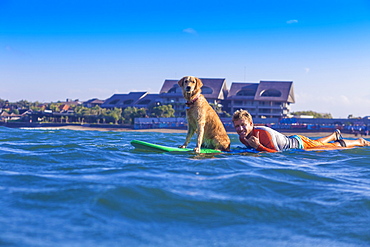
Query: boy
point(266, 139)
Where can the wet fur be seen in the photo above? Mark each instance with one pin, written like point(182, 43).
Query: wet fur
point(202, 118)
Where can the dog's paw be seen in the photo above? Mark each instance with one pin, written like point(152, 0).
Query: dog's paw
point(197, 150)
point(182, 146)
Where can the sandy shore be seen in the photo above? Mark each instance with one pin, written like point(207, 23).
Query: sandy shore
point(74, 127)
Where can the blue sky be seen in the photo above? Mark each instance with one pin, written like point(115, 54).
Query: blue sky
point(53, 50)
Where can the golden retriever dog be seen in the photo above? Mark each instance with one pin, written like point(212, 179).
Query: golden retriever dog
point(202, 118)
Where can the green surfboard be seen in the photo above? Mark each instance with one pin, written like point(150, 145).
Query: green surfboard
point(146, 146)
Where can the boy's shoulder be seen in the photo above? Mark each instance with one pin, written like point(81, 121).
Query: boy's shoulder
point(267, 129)
point(263, 128)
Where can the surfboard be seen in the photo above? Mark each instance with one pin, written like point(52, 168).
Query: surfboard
point(147, 146)
point(151, 147)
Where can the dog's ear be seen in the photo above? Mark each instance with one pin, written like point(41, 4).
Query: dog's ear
point(181, 82)
point(199, 83)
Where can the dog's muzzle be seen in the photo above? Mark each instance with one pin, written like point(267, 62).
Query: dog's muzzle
point(188, 88)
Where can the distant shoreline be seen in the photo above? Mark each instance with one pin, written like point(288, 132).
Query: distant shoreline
point(121, 128)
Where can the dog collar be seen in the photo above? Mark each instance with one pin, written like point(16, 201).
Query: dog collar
point(191, 102)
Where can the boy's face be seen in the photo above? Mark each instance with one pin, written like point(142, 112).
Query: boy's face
point(243, 127)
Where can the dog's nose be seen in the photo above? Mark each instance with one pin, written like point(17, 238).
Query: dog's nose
point(188, 88)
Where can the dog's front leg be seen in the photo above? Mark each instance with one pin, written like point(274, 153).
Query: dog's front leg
point(189, 135)
point(200, 137)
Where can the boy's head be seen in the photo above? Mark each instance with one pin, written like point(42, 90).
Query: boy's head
point(243, 123)
point(242, 115)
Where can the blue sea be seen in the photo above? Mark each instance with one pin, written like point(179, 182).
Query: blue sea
point(92, 188)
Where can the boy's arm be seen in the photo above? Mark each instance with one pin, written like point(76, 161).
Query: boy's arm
point(255, 142)
point(262, 148)
point(244, 141)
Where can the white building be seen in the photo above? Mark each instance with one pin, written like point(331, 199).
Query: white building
point(267, 99)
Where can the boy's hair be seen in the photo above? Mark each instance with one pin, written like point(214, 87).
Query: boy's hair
point(242, 114)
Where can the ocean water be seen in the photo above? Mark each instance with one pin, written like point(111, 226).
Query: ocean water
point(92, 188)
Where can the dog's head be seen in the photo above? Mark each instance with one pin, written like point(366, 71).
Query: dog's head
point(190, 85)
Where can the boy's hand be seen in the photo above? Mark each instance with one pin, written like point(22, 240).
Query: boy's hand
point(254, 141)
point(242, 134)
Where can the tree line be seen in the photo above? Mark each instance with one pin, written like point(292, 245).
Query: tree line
point(97, 114)
point(312, 113)
point(94, 114)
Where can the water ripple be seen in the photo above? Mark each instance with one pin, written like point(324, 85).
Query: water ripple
point(91, 188)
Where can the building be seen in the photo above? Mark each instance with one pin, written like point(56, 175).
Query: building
point(214, 89)
point(267, 99)
point(93, 102)
point(133, 99)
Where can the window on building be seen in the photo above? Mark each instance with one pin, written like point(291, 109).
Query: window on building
point(271, 93)
point(175, 89)
point(265, 103)
point(144, 102)
point(128, 102)
point(251, 110)
point(114, 102)
point(238, 102)
point(264, 110)
point(207, 90)
point(245, 92)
